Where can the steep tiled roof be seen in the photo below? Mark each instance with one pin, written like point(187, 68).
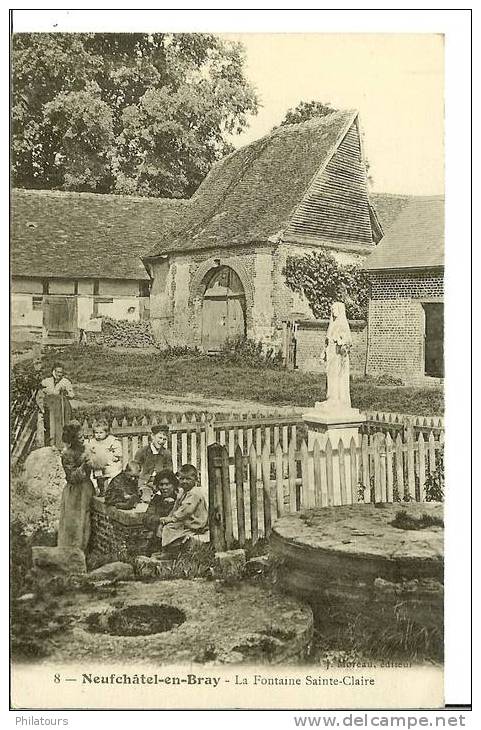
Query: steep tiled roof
point(84, 235)
point(388, 206)
point(251, 194)
point(415, 239)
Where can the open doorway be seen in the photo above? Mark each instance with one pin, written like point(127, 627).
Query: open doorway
point(434, 339)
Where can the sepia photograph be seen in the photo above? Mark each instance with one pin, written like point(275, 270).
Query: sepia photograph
point(227, 369)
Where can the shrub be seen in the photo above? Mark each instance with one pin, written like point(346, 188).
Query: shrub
point(323, 281)
point(244, 351)
point(434, 484)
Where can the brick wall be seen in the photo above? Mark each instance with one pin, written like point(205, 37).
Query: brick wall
point(118, 534)
point(311, 336)
point(407, 285)
point(396, 322)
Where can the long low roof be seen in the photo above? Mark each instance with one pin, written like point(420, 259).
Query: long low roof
point(415, 239)
point(85, 235)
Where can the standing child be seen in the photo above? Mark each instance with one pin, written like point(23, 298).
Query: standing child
point(189, 516)
point(152, 459)
point(105, 454)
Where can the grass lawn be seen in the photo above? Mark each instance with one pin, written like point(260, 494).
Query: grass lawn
point(217, 377)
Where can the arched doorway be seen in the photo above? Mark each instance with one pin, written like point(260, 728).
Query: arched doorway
point(223, 308)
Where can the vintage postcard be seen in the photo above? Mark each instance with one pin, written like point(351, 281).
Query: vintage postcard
point(227, 370)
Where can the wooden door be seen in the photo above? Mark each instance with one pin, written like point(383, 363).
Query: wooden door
point(60, 317)
point(434, 339)
point(223, 309)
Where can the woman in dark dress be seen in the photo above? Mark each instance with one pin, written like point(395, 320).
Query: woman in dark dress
point(74, 524)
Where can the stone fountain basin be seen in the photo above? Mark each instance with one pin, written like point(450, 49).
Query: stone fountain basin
point(354, 555)
point(213, 624)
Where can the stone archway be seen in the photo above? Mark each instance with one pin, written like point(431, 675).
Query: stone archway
point(223, 308)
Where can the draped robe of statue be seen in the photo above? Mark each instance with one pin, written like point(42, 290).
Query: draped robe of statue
point(338, 344)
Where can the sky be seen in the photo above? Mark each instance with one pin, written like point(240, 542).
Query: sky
point(395, 81)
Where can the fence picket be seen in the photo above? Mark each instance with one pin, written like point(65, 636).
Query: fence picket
point(173, 449)
point(365, 468)
point(422, 466)
point(292, 474)
point(399, 467)
point(279, 480)
point(354, 469)
point(203, 459)
point(382, 471)
point(253, 494)
point(431, 452)
point(410, 464)
point(316, 458)
point(342, 472)
point(389, 465)
point(329, 473)
point(266, 488)
point(239, 491)
point(375, 444)
point(193, 449)
point(304, 497)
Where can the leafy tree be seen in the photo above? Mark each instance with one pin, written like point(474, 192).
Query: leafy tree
point(124, 112)
point(322, 281)
point(307, 110)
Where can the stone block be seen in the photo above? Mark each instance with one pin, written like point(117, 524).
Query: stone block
point(230, 565)
point(63, 560)
point(113, 571)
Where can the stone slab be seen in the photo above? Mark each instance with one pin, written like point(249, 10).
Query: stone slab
point(55, 560)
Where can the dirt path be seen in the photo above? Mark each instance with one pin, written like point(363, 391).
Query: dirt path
point(133, 398)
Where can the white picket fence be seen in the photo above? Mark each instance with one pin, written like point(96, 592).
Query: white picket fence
point(254, 487)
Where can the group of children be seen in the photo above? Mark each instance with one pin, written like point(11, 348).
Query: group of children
point(176, 506)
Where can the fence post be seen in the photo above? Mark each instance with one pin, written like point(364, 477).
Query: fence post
point(253, 494)
point(216, 522)
point(266, 485)
point(239, 486)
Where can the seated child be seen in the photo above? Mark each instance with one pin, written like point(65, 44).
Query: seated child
point(105, 454)
point(189, 516)
point(166, 491)
point(122, 491)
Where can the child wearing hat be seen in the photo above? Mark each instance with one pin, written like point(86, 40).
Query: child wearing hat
point(166, 492)
point(189, 515)
point(152, 459)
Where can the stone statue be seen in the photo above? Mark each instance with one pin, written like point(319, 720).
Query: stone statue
point(336, 356)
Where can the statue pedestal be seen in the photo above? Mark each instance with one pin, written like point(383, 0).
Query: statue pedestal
point(335, 421)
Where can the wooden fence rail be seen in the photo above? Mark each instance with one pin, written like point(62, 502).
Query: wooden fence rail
point(270, 482)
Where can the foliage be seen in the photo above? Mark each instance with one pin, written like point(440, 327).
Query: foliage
point(434, 484)
point(244, 351)
point(24, 380)
point(307, 110)
point(405, 521)
point(125, 112)
point(322, 281)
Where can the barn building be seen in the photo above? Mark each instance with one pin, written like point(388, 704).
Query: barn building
point(75, 257)
point(406, 310)
point(217, 272)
